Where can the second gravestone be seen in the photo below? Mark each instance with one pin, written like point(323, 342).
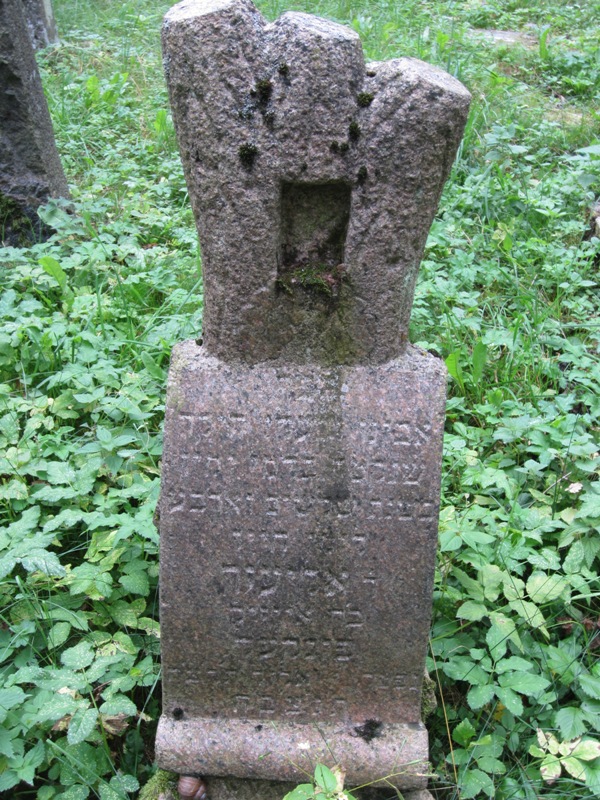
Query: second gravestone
point(300, 490)
point(30, 168)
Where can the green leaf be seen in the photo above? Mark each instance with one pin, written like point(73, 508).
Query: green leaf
point(590, 506)
point(27, 523)
point(588, 750)
point(8, 779)
point(9, 698)
point(524, 682)
point(472, 586)
point(473, 781)
point(325, 779)
point(463, 733)
point(530, 613)
point(82, 723)
point(574, 767)
point(58, 706)
point(304, 791)
point(58, 634)
point(491, 765)
point(480, 696)
point(124, 783)
point(136, 582)
point(454, 368)
point(513, 663)
point(550, 768)
point(590, 685)
point(45, 562)
point(510, 700)
point(544, 50)
point(472, 611)
point(479, 359)
point(77, 792)
point(78, 657)
point(571, 722)
point(462, 668)
point(108, 793)
point(119, 704)
point(59, 472)
point(152, 367)
point(497, 637)
point(31, 761)
point(6, 743)
point(53, 268)
point(592, 777)
point(543, 588)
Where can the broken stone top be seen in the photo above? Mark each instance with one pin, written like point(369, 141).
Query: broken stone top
point(314, 180)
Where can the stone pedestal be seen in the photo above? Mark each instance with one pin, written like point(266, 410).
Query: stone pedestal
point(300, 489)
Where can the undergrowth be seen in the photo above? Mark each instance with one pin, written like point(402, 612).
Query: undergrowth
point(508, 296)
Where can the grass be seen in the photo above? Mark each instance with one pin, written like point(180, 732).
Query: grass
point(508, 296)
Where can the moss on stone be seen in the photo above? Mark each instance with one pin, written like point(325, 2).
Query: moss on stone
point(428, 697)
point(263, 90)
point(161, 786)
point(354, 131)
point(365, 99)
point(247, 153)
point(20, 226)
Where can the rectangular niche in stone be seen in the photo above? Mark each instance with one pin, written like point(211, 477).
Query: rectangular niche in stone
point(314, 225)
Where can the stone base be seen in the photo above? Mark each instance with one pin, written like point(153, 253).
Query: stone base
point(287, 752)
point(236, 789)
point(239, 789)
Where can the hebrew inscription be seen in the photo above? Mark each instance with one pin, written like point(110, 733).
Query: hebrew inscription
point(299, 585)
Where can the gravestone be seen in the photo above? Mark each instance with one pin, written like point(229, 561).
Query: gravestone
point(301, 470)
point(41, 24)
point(30, 168)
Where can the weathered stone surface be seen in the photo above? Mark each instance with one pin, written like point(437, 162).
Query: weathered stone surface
point(303, 164)
point(302, 453)
point(298, 521)
point(40, 20)
point(30, 169)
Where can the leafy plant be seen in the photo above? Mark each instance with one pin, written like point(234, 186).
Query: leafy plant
point(327, 784)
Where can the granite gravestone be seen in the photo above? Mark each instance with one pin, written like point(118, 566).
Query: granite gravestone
point(301, 470)
point(40, 20)
point(30, 168)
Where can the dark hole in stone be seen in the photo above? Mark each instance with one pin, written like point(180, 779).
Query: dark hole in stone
point(336, 493)
point(370, 730)
point(314, 224)
point(178, 713)
point(258, 727)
